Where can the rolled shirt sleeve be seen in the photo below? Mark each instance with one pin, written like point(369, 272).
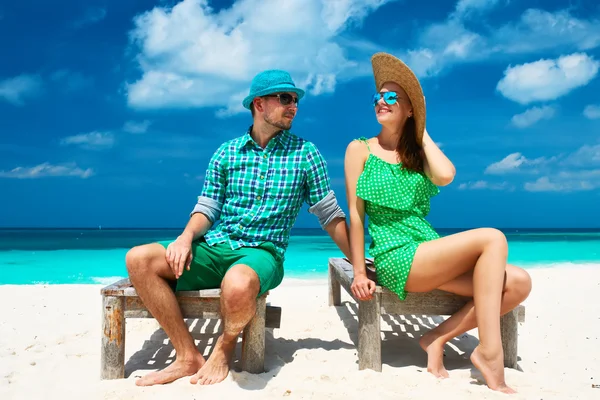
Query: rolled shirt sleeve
point(210, 201)
point(319, 196)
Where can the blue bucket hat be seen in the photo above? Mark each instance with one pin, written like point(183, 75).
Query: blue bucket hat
point(271, 81)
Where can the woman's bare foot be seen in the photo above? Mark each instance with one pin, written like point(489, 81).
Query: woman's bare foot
point(178, 369)
point(435, 354)
point(492, 369)
point(217, 367)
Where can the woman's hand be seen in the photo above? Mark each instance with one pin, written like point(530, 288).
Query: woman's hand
point(362, 287)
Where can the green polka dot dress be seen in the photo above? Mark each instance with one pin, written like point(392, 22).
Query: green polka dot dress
point(397, 201)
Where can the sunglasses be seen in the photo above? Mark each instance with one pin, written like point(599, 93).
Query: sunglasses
point(285, 99)
point(389, 98)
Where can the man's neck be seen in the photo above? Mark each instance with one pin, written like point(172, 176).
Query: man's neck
point(262, 133)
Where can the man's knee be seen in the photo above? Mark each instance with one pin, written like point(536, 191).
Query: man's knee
point(144, 259)
point(241, 283)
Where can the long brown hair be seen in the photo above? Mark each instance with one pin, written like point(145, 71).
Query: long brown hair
point(409, 151)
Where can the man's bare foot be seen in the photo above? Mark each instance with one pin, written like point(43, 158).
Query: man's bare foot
point(217, 367)
point(178, 369)
point(492, 369)
point(435, 355)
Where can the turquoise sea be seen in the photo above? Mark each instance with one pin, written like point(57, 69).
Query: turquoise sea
point(57, 256)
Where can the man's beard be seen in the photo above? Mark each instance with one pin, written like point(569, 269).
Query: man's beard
point(280, 125)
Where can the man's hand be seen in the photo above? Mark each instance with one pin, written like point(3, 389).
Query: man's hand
point(179, 256)
point(362, 287)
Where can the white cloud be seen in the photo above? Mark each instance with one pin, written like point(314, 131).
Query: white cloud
point(586, 156)
point(533, 115)
point(547, 79)
point(137, 127)
point(566, 182)
point(443, 44)
point(92, 16)
point(91, 141)
point(511, 163)
point(47, 170)
point(467, 7)
point(192, 56)
point(540, 30)
point(479, 185)
point(592, 111)
point(16, 90)
point(577, 171)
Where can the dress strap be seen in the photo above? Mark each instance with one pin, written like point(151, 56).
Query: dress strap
point(366, 142)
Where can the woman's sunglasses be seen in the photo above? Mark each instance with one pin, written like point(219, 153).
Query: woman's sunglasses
point(285, 99)
point(389, 98)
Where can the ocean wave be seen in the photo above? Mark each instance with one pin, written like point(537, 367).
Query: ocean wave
point(562, 264)
point(107, 280)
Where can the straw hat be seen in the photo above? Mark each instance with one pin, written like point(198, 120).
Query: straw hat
point(387, 68)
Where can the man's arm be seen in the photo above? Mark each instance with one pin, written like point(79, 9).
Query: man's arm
point(338, 230)
point(204, 214)
point(322, 201)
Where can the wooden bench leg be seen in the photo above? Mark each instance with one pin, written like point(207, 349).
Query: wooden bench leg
point(112, 355)
point(335, 295)
point(253, 341)
point(509, 327)
point(369, 334)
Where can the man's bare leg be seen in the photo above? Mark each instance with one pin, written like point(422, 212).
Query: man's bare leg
point(149, 273)
point(239, 290)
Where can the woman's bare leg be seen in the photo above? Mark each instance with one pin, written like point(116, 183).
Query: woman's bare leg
point(483, 251)
point(516, 289)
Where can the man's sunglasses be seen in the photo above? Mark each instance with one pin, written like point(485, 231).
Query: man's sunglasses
point(389, 98)
point(285, 99)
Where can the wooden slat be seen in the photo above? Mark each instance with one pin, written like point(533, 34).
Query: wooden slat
point(520, 310)
point(117, 288)
point(126, 289)
point(369, 328)
point(197, 308)
point(112, 353)
point(435, 302)
point(253, 341)
point(343, 272)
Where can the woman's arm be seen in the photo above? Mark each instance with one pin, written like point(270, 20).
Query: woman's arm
point(356, 155)
point(436, 165)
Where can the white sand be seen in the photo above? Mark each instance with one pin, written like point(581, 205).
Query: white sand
point(50, 348)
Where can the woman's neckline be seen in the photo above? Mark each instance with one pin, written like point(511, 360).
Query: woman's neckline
point(382, 160)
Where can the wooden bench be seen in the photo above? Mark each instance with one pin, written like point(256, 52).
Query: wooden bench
point(384, 301)
point(120, 301)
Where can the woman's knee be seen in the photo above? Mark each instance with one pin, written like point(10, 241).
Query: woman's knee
point(493, 238)
point(519, 282)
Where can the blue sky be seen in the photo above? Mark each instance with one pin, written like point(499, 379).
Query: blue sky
point(109, 110)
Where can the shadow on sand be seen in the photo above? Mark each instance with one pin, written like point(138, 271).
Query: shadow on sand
point(400, 345)
point(157, 352)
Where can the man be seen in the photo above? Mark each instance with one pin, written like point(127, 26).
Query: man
point(255, 185)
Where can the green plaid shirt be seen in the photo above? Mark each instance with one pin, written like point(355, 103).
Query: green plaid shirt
point(259, 192)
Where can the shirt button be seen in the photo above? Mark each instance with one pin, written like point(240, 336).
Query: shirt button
point(258, 197)
point(262, 177)
point(265, 156)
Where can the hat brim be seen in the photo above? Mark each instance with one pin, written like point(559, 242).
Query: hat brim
point(273, 89)
point(387, 68)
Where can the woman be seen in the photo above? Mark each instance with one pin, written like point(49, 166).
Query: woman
point(391, 178)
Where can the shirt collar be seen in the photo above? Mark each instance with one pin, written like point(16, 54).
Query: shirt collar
point(282, 139)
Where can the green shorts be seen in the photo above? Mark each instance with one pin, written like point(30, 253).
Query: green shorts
point(210, 263)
